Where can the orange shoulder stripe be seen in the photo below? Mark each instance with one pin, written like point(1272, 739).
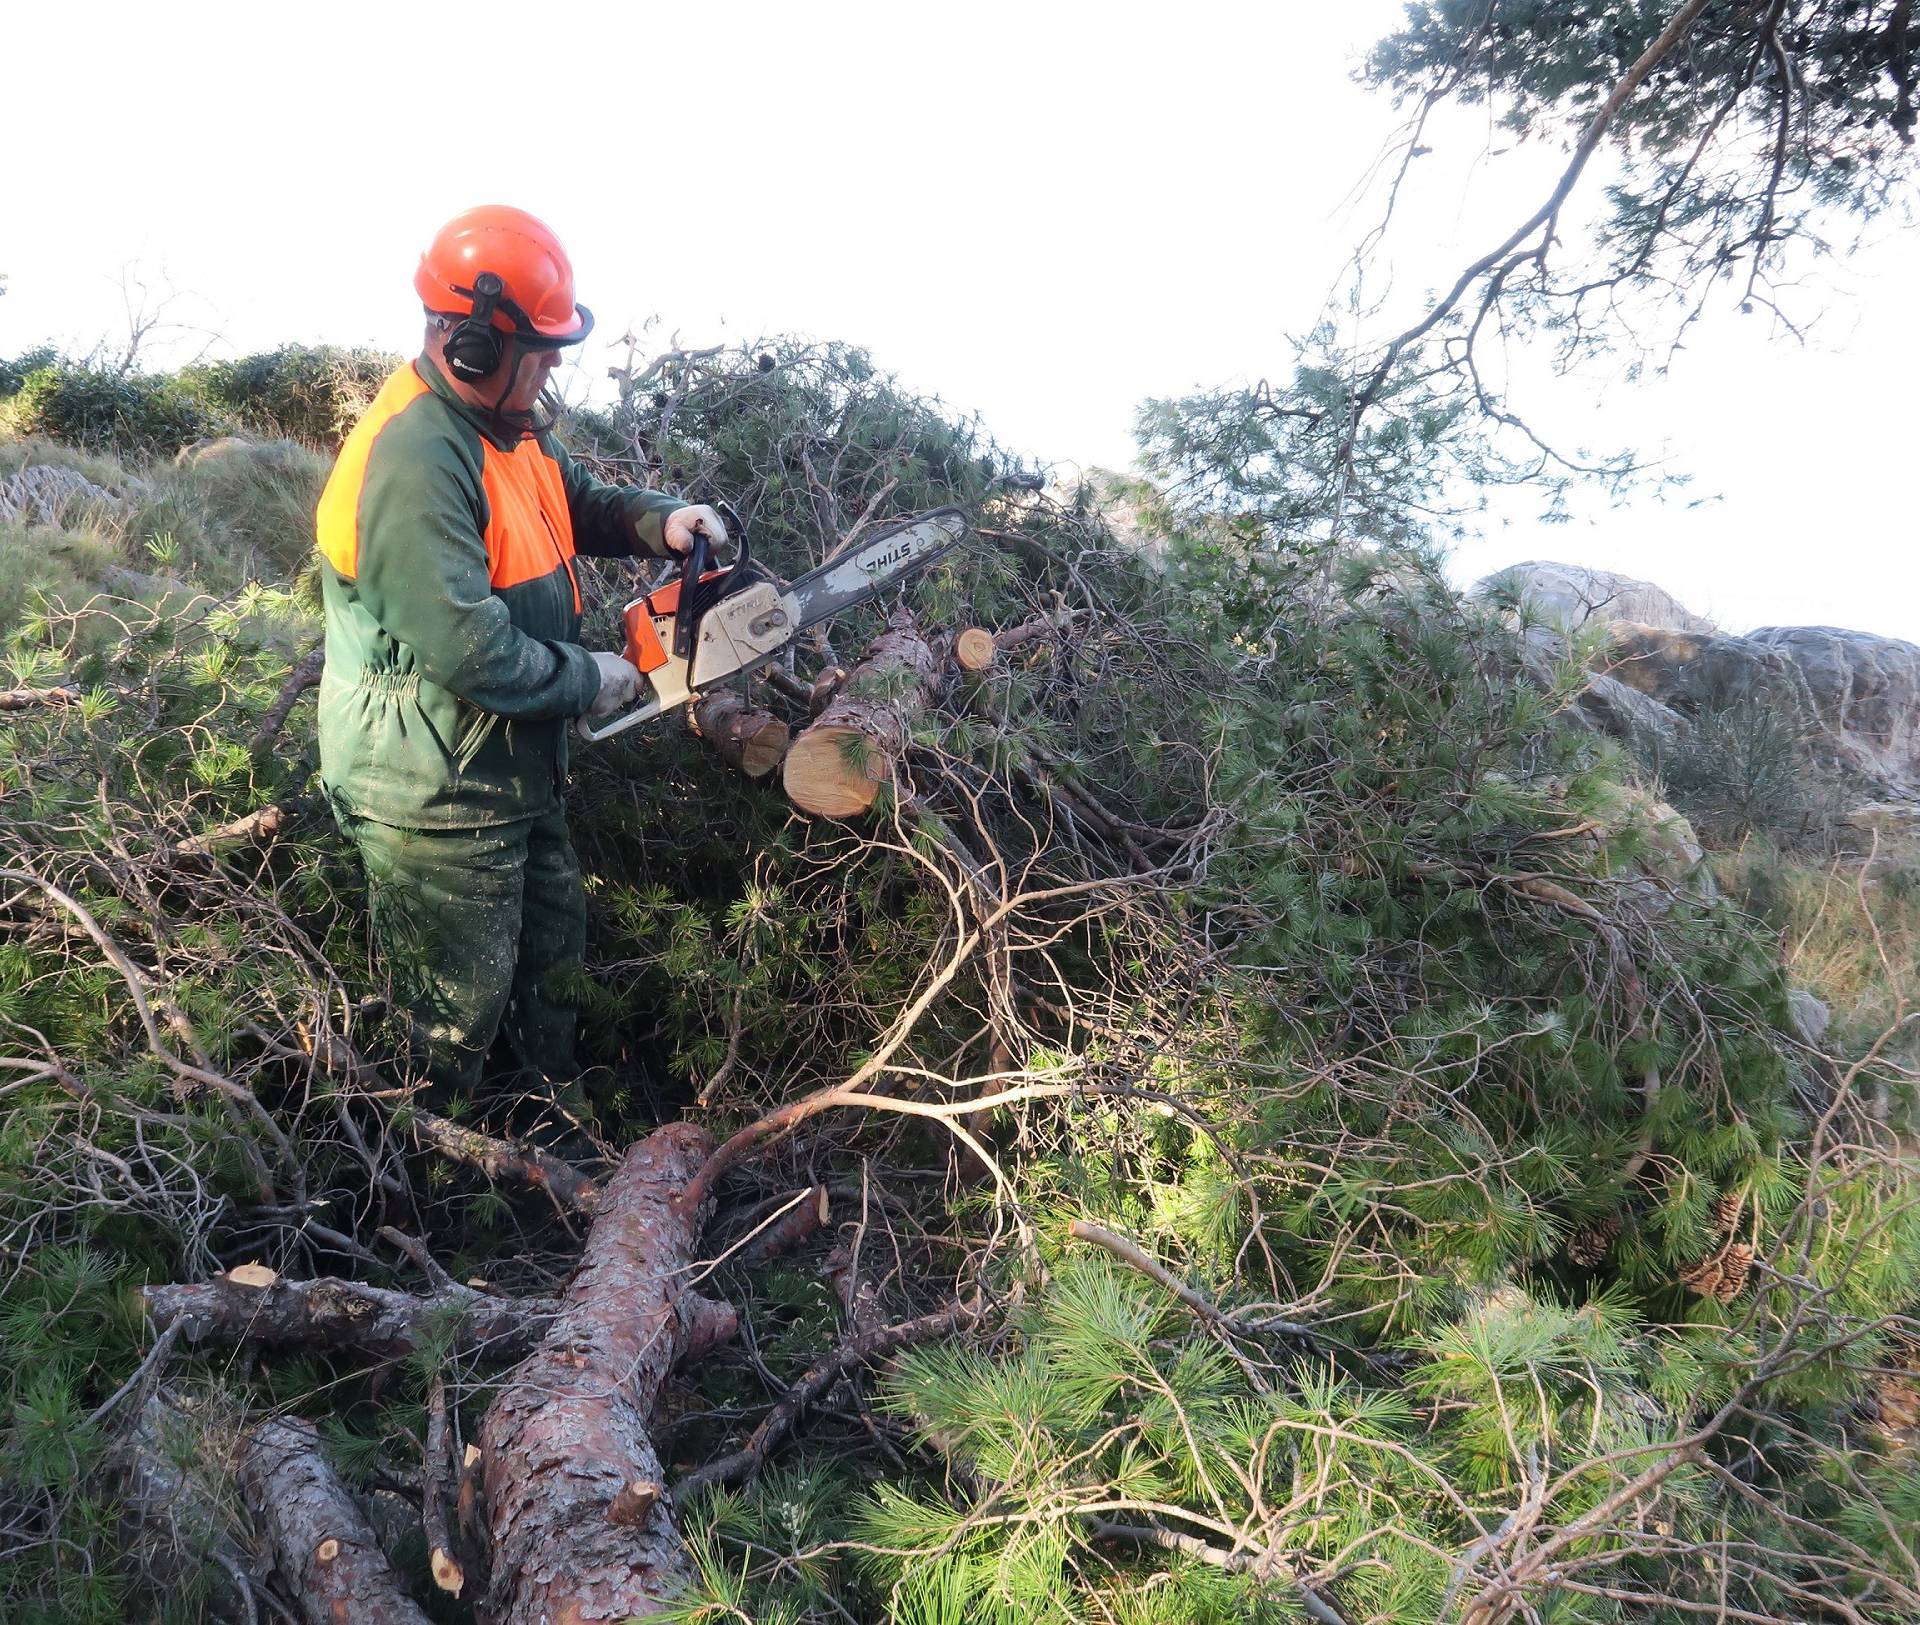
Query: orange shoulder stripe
point(337, 518)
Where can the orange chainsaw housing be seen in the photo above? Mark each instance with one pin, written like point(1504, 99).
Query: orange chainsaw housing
point(644, 649)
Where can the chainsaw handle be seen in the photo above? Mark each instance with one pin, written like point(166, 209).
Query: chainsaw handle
point(693, 565)
point(697, 593)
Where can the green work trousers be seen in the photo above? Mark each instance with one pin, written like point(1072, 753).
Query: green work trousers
point(476, 927)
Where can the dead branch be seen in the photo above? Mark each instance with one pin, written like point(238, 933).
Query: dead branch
point(1058, 620)
point(304, 676)
point(263, 826)
point(323, 1548)
point(778, 1226)
point(329, 1313)
point(857, 1351)
point(435, 1472)
point(515, 1163)
point(26, 699)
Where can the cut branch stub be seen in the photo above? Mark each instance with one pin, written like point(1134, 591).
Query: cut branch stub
point(837, 765)
point(323, 1547)
point(566, 1452)
point(744, 737)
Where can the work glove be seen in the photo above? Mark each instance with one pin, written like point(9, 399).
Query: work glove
point(683, 524)
point(619, 685)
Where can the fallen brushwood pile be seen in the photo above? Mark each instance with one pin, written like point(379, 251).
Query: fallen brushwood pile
point(1187, 1096)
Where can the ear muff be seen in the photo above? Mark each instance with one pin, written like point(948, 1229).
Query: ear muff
point(475, 348)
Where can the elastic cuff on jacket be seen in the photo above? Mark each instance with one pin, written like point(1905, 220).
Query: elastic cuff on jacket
point(582, 677)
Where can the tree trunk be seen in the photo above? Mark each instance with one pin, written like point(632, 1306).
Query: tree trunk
point(576, 1508)
point(748, 739)
point(837, 765)
point(328, 1313)
point(323, 1547)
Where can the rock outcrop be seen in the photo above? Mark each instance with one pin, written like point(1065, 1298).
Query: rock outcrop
point(1567, 597)
point(41, 494)
point(1664, 668)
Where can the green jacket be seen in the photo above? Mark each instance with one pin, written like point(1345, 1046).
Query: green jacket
point(454, 668)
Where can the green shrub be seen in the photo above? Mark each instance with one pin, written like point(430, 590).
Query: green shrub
point(14, 373)
point(243, 508)
point(133, 414)
point(1745, 770)
point(311, 393)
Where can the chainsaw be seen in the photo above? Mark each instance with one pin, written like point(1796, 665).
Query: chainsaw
point(711, 624)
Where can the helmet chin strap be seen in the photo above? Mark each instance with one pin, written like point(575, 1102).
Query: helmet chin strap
point(545, 412)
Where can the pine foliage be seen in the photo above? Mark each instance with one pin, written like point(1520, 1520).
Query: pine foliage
point(1289, 936)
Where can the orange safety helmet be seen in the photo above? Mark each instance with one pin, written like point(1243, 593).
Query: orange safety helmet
point(537, 304)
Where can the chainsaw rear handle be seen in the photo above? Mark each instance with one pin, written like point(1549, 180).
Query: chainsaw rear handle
point(701, 587)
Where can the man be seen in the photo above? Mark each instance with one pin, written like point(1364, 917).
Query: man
point(448, 532)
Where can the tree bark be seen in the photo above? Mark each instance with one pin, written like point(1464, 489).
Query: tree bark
point(837, 765)
point(329, 1313)
point(751, 741)
point(508, 1160)
point(323, 1547)
point(579, 1521)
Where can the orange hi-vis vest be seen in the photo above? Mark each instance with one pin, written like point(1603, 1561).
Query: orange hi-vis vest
point(453, 608)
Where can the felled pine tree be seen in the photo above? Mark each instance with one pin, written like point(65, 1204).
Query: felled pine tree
point(1252, 994)
point(1429, 1012)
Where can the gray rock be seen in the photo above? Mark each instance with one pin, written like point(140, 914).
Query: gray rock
point(44, 495)
point(1857, 695)
point(1863, 693)
point(1568, 596)
point(1810, 1017)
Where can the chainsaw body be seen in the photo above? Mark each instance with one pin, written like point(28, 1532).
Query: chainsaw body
point(709, 625)
point(740, 629)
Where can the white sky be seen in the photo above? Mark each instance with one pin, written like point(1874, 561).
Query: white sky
point(1044, 212)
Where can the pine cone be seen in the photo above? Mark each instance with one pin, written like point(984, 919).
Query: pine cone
point(1725, 1213)
point(1735, 1263)
point(1588, 1246)
point(1703, 1277)
point(1720, 1275)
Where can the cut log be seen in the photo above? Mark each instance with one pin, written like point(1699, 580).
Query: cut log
point(837, 765)
point(744, 737)
point(324, 1550)
point(328, 1313)
point(579, 1528)
point(974, 649)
